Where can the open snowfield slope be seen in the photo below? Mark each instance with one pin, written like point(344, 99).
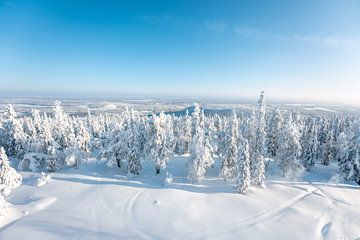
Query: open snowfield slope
point(96, 202)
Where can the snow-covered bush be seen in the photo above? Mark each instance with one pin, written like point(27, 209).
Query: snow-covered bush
point(3, 205)
point(74, 157)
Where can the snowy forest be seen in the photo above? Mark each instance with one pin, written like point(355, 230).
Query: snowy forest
point(244, 142)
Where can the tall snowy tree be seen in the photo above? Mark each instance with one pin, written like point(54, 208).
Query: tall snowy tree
point(133, 147)
point(289, 150)
point(185, 134)
point(258, 160)
point(230, 156)
point(243, 175)
point(311, 146)
point(329, 149)
point(201, 150)
point(351, 166)
point(275, 124)
point(159, 144)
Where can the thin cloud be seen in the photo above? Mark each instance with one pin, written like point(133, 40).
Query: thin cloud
point(174, 21)
point(326, 41)
point(253, 33)
point(215, 26)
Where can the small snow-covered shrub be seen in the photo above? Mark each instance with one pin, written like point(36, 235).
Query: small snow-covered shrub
point(33, 162)
point(43, 180)
point(40, 162)
point(168, 179)
point(3, 206)
point(74, 157)
point(9, 178)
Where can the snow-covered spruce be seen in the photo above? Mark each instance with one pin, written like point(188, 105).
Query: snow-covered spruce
point(311, 145)
point(258, 158)
point(201, 150)
point(159, 145)
point(230, 157)
point(288, 154)
point(243, 175)
point(9, 178)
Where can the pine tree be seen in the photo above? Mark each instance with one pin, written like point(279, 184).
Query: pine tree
point(231, 149)
point(258, 161)
point(9, 178)
point(243, 175)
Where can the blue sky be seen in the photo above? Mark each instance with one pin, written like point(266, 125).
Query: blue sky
point(294, 50)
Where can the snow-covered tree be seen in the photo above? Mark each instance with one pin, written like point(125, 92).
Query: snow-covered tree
point(9, 178)
point(289, 150)
point(159, 145)
point(243, 175)
point(185, 134)
point(13, 136)
point(134, 153)
point(258, 160)
point(275, 124)
point(329, 149)
point(230, 157)
point(201, 150)
point(311, 146)
point(351, 166)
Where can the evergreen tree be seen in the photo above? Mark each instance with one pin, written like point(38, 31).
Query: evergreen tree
point(258, 161)
point(13, 137)
point(159, 144)
point(133, 147)
point(9, 178)
point(201, 150)
point(243, 175)
point(231, 149)
point(289, 150)
point(274, 129)
point(311, 146)
point(329, 149)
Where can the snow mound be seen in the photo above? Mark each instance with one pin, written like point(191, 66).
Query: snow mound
point(43, 180)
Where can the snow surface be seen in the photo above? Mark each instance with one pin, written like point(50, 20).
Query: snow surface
point(97, 202)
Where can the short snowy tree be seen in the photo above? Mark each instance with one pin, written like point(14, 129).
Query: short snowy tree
point(13, 136)
point(9, 178)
